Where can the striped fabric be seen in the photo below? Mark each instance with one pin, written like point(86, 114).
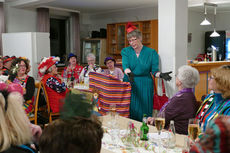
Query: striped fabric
point(216, 138)
point(111, 91)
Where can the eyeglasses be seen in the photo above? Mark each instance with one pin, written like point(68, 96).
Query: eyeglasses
point(132, 40)
point(91, 60)
point(22, 66)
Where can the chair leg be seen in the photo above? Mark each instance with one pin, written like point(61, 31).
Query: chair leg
point(50, 118)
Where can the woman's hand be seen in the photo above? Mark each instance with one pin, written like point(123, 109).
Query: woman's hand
point(150, 120)
point(69, 69)
point(60, 77)
point(127, 71)
point(91, 66)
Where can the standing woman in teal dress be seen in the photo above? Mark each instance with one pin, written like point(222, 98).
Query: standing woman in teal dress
point(138, 63)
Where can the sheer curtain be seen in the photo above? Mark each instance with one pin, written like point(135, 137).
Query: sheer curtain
point(2, 25)
point(43, 20)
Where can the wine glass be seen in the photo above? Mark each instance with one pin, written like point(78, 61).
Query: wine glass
point(193, 128)
point(112, 115)
point(159, 124)
point(112, 109)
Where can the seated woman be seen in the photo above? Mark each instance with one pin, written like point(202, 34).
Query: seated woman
point(73, 70)
point(216, 137)
point(216, 103)
point(112, 70)
point(16, 132)
point(55, 87)
point(182, 106)
point(91, 67)
point(19, 74)
point(7, 61)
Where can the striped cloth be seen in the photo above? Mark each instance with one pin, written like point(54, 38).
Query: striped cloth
point(216, 138)
point(111, 91)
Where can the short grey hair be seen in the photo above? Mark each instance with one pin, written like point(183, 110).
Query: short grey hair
point(188, 76)
point(91, 55)
point(135, 33)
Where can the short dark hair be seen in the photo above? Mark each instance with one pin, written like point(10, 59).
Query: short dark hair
point(75, 135)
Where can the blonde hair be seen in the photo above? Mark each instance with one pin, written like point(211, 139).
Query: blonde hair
point(14, 124)
point(221, 76)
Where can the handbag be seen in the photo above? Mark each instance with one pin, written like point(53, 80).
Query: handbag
point(159, 101)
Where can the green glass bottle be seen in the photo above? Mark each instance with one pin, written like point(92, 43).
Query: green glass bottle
point(144, 130)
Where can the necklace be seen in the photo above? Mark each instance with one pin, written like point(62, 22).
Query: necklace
point(138, 52)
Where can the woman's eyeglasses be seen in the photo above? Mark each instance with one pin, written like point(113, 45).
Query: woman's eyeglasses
point(132, 40)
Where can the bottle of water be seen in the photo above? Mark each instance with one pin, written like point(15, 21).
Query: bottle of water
point(172, 135)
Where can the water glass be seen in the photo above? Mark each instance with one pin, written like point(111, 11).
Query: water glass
point(186, 146)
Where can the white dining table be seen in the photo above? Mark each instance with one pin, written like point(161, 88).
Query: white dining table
point(122, 124)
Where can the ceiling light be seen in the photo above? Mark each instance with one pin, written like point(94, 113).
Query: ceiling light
point(215, 34)
point(205, 22)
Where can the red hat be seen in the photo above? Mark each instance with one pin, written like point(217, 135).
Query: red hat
point(7, 59)
point(130, 27)
point(46, 63)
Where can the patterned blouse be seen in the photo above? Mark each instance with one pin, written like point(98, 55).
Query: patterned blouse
point(55, 85)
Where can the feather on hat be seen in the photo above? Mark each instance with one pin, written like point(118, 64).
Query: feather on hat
point(46, 63)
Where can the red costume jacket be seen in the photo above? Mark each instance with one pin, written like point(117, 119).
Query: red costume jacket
point(56, 91)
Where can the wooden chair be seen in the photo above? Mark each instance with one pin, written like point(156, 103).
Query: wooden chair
point(50, 113)
point(35, 117)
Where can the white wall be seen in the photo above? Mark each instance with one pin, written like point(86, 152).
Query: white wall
point(20, 20)
point(197, 44)
point(222, 21)
point(97, 21)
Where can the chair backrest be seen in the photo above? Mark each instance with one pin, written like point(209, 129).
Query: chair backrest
point(46, 97)
point(34, 118)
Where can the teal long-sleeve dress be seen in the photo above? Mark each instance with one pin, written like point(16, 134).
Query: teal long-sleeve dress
point(142, 88)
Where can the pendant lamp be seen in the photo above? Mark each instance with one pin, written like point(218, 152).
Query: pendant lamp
point(215, 34)
point(205, 21)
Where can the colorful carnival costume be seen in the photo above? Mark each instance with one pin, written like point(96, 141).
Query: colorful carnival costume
point(216, 138)
point(73, 73)
point(56, 91)
point(86, 70)
point(213, 105)
point(28, 84)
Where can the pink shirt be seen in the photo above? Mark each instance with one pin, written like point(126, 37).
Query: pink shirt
point(117, 73)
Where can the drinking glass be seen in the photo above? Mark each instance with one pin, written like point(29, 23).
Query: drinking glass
point(193, 128)
point(112, 109)
point(186, 146)
point(159, 124)
point(112, 115)
point(220, 57)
